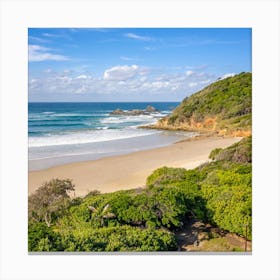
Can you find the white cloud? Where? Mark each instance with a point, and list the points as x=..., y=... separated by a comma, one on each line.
x=53, y=35
x=120, y=73
x=49, y=35
x=205, y=82
x=33, y=84
x=121, y=80
x=81, y=89
x=126, y=58
x=33, y=48
x=189, y=73
x=157, y=85
x=37, y=39
x=192, y=84
x=39, y=53
x=227, y=75
x=83, y=77
x=150, y=48
x=49, y=70
x=138, y=37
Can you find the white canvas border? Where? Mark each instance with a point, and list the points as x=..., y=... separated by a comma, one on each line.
x=17, y=16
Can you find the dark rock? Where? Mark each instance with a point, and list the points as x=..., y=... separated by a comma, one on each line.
x=117, y=112
x=135, y=112
x=151, y=109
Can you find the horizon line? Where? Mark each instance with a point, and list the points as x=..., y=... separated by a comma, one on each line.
x=102, y=101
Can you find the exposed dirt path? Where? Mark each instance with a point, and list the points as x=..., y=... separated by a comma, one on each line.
x=198, y=236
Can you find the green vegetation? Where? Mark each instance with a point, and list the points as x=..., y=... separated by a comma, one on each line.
x=49, y=201
x=218, y=193
x=240, y=152
x=228, y=198
x=146, y=219
x=105, y=239
x=228, y=101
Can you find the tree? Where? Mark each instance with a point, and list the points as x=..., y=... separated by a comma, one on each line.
x=102, y=213
x=50, y=200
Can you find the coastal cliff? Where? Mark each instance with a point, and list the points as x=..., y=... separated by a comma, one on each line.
x=224, y=107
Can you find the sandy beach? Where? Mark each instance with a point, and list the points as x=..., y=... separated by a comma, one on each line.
x=130, y=170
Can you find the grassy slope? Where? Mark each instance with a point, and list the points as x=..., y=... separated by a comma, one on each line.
x=223, y=106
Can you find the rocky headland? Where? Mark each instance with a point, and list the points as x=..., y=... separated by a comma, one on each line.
x=224, y=108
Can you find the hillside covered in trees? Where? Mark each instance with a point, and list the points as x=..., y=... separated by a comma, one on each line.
x=147, y=219
x=224, y=106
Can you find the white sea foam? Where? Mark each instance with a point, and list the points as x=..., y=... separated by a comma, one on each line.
x=122, y=127
x=130, y=119
x=88, y=136
x=47, y=113
x=74, y=115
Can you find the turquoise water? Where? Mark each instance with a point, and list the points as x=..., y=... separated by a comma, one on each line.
x=60, y=133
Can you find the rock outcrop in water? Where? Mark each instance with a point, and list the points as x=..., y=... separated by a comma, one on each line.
x=135, y=112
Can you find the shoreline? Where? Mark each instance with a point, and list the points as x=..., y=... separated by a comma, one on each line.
x=130, y=171
x=59, y=155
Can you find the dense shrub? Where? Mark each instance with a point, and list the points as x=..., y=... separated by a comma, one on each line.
x=124, y=238
x=43, y=238
x=166, y=175
x=240, y=152
x=187, y=181
x=151, y=209
x=228, y=196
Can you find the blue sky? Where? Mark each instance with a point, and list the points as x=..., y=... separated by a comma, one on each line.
x=132, y=64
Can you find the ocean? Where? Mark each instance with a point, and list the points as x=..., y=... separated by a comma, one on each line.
x=60, y=133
